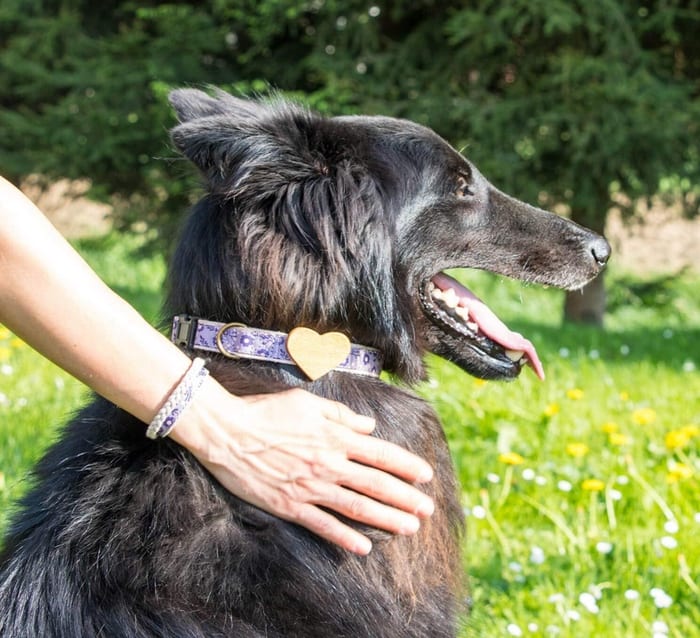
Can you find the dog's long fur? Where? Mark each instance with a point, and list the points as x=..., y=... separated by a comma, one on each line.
x=334, y=224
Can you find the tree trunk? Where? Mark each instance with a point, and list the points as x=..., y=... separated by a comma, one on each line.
x=588, y=304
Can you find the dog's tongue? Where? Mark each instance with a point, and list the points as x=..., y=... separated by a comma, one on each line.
x=489, y=323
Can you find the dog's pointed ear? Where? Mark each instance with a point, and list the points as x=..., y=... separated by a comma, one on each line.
x=192, y=104
x=216, y=130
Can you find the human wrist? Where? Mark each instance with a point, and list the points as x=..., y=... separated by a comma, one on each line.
x=178, y=400
x=205, y=426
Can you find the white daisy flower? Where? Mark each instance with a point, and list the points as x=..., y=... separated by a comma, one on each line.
x=589, y=602
x=564, y=486
x=671, y=526
x=668, y=542
x=478, y=512
x=537, y=556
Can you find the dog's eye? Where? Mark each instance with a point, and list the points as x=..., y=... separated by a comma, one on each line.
x=463, y=189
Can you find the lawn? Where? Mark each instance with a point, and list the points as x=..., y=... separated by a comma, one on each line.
x=581, y=492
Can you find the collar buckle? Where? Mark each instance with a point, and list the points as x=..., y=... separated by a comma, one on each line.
x=220, y=344
x=185, y=330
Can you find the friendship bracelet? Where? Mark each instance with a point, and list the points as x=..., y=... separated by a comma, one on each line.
x=178, y=400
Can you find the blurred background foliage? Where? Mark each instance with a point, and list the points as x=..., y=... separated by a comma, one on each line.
x=578, y=106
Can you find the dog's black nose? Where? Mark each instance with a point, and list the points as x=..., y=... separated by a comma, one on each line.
x=600, y=249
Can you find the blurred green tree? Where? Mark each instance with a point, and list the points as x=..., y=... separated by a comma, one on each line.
x=587, y=104
x=83, y=95
x=576, y=105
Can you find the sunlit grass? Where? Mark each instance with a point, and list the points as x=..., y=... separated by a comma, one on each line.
x=36, y=397
x=581, y=492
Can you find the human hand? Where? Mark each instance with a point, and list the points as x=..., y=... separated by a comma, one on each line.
x=292, y=453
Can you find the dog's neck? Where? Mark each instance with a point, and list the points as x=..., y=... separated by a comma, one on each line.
x=314, y=354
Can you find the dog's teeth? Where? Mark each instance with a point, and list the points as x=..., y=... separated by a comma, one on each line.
x=462, y=313
x=431, y=286
x=450, y=298
x=437, y=294
x=472, y=326
x=514, y=355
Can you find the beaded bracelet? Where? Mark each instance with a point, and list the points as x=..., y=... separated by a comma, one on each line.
x=179, y=399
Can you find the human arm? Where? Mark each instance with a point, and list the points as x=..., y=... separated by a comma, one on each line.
x=290, y=453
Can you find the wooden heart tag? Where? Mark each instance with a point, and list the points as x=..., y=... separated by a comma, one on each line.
x=317, y=354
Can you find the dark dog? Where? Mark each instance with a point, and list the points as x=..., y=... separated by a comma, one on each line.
x=337, y=224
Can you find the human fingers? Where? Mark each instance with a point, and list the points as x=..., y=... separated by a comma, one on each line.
x=330, y=528
x=389, y=457
x=303, y=513
x=340, y=413
x=385, y=488
x=376, y=452
x=300, y=404
x=363, y=509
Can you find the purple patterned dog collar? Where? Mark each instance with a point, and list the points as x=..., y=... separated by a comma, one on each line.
x=236, y=340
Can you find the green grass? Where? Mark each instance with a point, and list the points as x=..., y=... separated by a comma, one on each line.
x=35, y=395
x=620, y=406
x=537, y=538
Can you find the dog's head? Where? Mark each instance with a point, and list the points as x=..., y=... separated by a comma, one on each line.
x=347, y=224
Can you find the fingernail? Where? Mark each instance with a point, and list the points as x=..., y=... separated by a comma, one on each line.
x=363, y=547
x=367, y=422
x=425, y=476
x=426, y=508
x=410, y=527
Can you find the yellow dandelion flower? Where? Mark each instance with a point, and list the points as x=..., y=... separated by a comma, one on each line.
x=644, y=416
x=593, y=485
x=609, y=427
x=5, y=354
x=575, y=394
x=678, y=472
x=16, y=342
x=511, y=458
x=676, y=439
x=551, y=409
x=577, y=449
x=691, y=430
x=479, y=382
x=624, y=396
x=617, y=438
x=4, y=333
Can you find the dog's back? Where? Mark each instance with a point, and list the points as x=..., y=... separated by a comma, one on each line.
x=124, y=537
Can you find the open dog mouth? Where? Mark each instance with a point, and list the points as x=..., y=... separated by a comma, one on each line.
x=456, y=309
